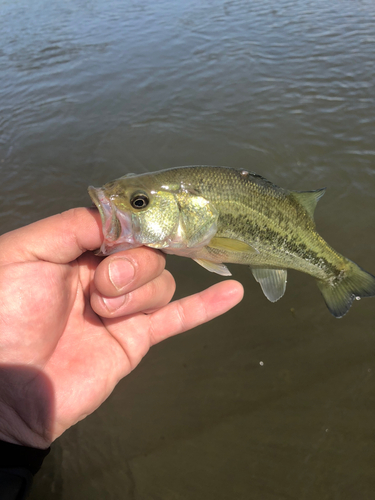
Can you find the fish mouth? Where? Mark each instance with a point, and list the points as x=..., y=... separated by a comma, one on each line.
x=116, y=225
x=110, y=224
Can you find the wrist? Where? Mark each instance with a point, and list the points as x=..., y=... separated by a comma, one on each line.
x=15, y=458
x=26, y=406
x=15, y=430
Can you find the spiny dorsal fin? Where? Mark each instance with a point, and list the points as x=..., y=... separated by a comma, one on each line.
x=272, y=281
x=228, y=244
x=309, y=199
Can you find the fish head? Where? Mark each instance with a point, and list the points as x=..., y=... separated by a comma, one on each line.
x=140, y=210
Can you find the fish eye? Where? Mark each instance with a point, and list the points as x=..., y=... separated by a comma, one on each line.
x=139, y=200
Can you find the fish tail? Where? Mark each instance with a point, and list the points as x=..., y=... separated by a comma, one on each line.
x=354, y=283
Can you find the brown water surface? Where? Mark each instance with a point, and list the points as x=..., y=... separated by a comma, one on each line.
x=271, y=401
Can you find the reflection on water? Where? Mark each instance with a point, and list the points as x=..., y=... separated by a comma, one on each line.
x=273, y=400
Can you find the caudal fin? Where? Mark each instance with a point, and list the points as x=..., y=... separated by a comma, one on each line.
x=339, y=296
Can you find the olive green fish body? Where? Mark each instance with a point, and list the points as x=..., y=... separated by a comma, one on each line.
x=219, y=215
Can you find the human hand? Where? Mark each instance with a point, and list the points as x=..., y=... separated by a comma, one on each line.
x=68, y=334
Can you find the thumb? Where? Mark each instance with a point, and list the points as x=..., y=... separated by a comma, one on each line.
x=59, y=239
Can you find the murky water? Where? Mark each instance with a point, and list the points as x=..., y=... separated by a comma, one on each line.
x=271, y=401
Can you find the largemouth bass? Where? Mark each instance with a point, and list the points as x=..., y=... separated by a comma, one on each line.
x=219, y=215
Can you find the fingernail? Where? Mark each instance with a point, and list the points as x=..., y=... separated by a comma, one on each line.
x=113, y=303
x=121, y=272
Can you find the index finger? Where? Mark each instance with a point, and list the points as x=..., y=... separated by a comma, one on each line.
x=59, y=239
x=138, y=332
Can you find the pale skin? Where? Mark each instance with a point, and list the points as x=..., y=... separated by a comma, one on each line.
x=73, y=324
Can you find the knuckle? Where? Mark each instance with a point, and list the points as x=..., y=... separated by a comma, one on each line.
x=181, y=316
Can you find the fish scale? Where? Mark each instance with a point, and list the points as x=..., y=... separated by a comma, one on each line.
x=220, y=215
x=256, y=211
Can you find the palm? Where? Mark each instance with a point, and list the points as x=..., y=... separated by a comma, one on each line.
x=61, y=351
x=82, y=358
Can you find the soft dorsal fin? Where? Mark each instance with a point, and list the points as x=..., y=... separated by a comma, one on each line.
x=231, y=245
x=309, y=199
x=272, y=281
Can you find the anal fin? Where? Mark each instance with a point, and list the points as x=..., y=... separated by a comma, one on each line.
x=214, y=267
x=272, y=281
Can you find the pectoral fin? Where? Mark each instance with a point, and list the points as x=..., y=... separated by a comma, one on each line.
x=214, y=267
x=231, y=245
x=272, y=281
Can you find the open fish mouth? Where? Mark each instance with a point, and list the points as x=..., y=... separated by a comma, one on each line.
x=110, y=223
x=116, y=225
